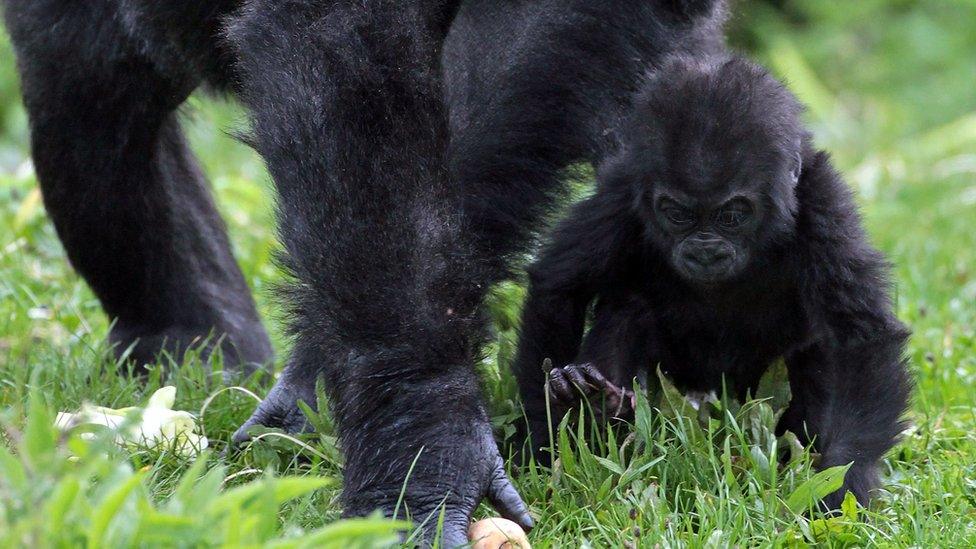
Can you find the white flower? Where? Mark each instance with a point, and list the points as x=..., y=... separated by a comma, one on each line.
x=147, y=427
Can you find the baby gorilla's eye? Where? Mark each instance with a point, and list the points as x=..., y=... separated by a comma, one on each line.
x=679, y=216
x=731, y=218
x=734, y=214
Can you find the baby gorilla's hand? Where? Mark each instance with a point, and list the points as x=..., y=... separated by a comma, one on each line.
x=570, y=384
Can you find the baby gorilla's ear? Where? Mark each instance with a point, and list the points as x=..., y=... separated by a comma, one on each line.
x=690, y=8
x=797, y=167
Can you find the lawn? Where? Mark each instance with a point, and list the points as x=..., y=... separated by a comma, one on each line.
x=891, y=89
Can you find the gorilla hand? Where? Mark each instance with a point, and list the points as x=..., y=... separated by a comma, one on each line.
x=450, y=477
x=414, y=449
x=280, y=409
x=569, y=384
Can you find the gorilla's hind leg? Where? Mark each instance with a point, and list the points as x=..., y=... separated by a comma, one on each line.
x=126, y=196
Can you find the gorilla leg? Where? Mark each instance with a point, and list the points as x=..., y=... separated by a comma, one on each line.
x=125, y=195
x=347, y=112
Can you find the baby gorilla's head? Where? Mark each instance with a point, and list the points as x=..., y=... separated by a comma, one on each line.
x=712, y=154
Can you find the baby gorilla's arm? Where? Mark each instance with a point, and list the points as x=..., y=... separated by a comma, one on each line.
x=586, y=246
x=852, y=385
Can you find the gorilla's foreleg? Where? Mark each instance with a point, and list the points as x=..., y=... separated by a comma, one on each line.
x=347, y=112
x=847, y=400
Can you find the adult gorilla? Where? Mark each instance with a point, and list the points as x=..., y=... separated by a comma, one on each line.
x=414, y=145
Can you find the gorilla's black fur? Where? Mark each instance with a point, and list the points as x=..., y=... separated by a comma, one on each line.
x=718, y=241
x=414, y=146
x=126, y=195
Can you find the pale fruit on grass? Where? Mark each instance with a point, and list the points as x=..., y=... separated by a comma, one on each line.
x=497, y=533
x=156, y=424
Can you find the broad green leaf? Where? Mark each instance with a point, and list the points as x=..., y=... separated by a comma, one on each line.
x=604, y=490
x=775, y=386
x=817, y=487
x=586, y=459
x=631, y=473
x=283, y=489
x=314, y=418
x=108, y=509
x=610, y=465
x=791, y=442
x=643, y=417
x=379, y=532
x=729, y=474
x=849, y=507
x=566, y=454
x=834, y=531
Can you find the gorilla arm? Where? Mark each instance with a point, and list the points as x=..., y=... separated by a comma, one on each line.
x=592, y=241
x=852, y=384
x=347, y=112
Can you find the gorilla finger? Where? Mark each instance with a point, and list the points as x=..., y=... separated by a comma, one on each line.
x=579, y=379
x=506, y=500
x=591, y=373
x=453, y=536
x=597, y=379
x=559, y=388
x=279, y=410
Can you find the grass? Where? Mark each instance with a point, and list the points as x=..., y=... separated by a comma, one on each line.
x=891, y=94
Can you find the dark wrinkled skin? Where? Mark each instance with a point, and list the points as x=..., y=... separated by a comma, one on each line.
x=415, y=147
x=717, y=242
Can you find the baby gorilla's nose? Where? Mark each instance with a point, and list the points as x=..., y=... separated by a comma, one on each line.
x=707, y=259
x=710, y=255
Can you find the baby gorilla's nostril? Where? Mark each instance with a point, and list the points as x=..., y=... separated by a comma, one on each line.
x=719, y=255
x=707, y=257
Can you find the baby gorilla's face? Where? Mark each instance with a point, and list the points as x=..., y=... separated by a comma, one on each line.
x=716, y=171
x=709, y=238
x=712, y=217
x=714, y=213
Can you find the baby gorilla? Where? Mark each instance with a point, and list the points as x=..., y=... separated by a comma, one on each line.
x=717, y=242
